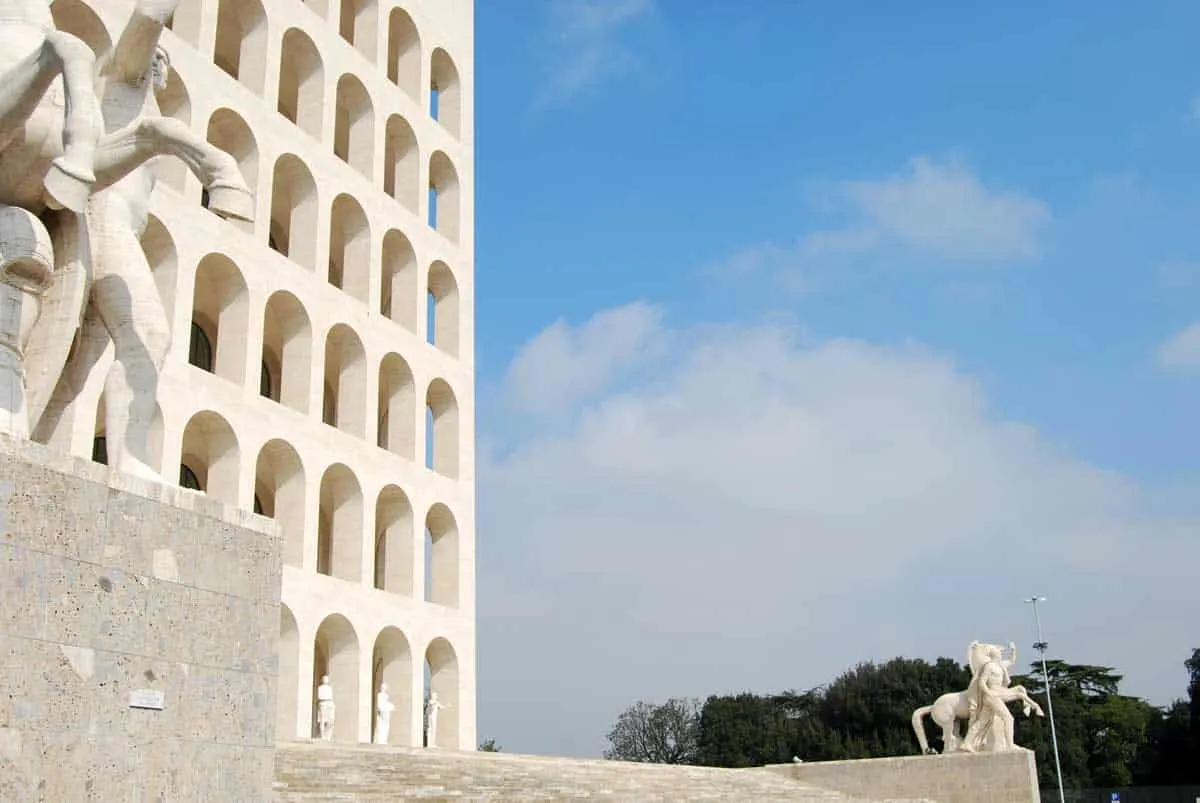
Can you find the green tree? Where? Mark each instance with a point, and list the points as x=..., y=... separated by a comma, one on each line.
x=489, y=746
x=657, y=734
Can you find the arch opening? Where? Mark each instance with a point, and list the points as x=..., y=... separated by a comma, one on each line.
x=229, y=132
x=445, y=90
x=392, y=663
x=441, y=677
x=345, y=381
x=293, y=229
x=287, y=694
x=340, y=525
x=397, y=407
x=349, y=248
x=354, y=126
x=441, y=429
x=301, y=83
x=402, y=163
x=359, y=26
x=287, y=351
x=398, y=299
x=395, y=566
x=444, y=322
x=210, y=455
x=335, y=654
x=444, y=199
x=404, y=53
x=219, y=318
x=279, y=488
x=241, y=45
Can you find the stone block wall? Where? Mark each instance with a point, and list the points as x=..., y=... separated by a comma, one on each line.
x=954, y=778
x=113, y=590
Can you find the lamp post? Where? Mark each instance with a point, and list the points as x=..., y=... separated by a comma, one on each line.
x=1041, y=646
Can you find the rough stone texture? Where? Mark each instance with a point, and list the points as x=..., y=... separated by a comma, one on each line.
x=110, y=585
x=1009, y=777
x=307, y=773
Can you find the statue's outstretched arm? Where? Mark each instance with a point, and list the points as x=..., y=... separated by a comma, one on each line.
x=131, y=56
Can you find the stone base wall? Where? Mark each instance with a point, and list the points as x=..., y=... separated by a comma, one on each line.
x=115, y=593
x=955, y=778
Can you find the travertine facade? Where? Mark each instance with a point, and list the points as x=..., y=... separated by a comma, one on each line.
x=137, y=637
x=321, y=365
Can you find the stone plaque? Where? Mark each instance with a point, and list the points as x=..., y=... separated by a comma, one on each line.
x=148, y=698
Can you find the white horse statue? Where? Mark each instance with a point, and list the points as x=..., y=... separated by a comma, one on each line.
x=951, y=707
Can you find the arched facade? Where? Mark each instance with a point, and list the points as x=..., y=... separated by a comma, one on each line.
x=341, y=115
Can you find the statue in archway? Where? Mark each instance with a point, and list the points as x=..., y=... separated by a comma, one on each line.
x=326, y=710
x=102, y=283
x=432, y=706
x=383, y=714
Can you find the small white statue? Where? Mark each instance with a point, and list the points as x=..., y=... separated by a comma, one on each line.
x=383, y=714
x=432, y=706
x=325, y=709
x=984, y=705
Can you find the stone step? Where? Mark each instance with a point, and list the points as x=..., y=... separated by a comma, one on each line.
x=323, y=773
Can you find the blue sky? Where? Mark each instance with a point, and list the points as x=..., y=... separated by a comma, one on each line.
x=809, y=333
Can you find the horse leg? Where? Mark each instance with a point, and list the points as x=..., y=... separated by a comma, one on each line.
x=126, y=149
x=69, y=180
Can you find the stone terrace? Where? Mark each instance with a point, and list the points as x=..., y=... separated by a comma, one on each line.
x=308, y=773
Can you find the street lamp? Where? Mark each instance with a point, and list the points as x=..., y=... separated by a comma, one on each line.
x=1040, y=645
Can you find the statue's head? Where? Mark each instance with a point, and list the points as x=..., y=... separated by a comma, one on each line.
x=325, y=679
x=160, y=68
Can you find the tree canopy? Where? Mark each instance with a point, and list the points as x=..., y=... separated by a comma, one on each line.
x=1105, y=738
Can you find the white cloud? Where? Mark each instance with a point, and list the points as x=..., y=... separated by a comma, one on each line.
x=761, y=512
x=932, y=212
x=562, y=365
x=587, y=46
x=1181, y=350
x=946, y=211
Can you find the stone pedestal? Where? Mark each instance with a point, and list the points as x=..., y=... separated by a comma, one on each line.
x=139, y=627
x=1009, y=777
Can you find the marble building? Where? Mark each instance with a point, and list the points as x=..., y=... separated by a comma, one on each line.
x=321, y=366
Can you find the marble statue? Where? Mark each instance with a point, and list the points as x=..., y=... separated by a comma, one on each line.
x=49, y=116
x=326, y=710
x=102, y=283
x=432, y=706
x=383, y=714
x=984, y=705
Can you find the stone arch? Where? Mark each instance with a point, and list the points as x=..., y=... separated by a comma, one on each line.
x=220, y=307
x=398, y=299
x=335, y=653
x=77, y=18
x=444, y=196
x=294, y=211
x=229, y=132
x=211, y=453
x=340, y=525
x=349, y=248
x=279, y=490
x=441, y=664
x=441, y=557
x=443, y=308
x=391, y=663
x=240, y=49
x=397, y=408
x=404, y=53
x=287, y=351
x=395, y=542
x=301, y=83
x=441, y=429
x=354, y=125
x=445, y=91
x=401, y=163
x=359, y=25
x=287, y=694
x=345, y=381
x=174, y=101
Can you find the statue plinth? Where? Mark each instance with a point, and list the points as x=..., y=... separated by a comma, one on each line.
x=140, y=632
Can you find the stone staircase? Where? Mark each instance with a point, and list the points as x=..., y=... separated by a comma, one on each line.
x=320, y=773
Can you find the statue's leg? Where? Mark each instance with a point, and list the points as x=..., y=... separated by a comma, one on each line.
x=127, y=300
x=128, y=148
